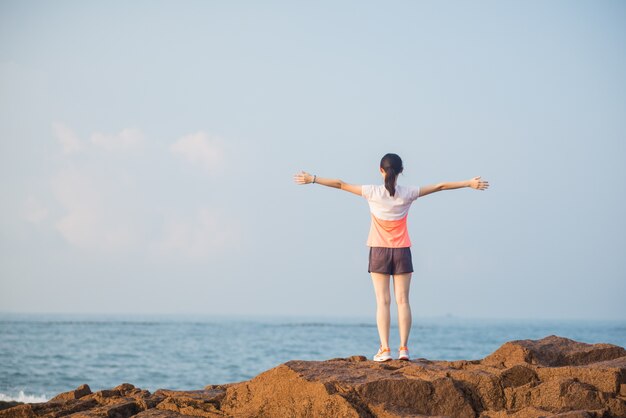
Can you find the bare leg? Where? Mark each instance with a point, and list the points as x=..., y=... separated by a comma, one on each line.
x=381, y=288
x=401, y=284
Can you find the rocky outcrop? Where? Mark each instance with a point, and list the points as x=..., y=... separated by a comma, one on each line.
x=553, y=376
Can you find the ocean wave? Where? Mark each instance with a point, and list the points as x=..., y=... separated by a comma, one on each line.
x=23, y=397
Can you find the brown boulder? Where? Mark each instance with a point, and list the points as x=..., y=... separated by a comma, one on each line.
x=19, y=411
x=552, y=351
x=550, y=377
x=50, y=409
x=79, y=392
x=284, y=391
x=9, y=404
x=159, y=413
x=199, y=403
x=123, y=409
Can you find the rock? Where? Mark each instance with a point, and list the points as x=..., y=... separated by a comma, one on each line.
x=77, y=393
x=51, y=408
x=203, y=403
x=9, y=404
x=159, y=413
x=553, y=351
x=19, y=411
x=553, y=376
x=518, y=375
x=114, y=410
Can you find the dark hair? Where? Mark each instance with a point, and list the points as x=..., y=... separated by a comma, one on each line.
x=392, y=164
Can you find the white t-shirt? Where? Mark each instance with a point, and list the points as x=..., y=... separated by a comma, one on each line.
x=389, y=214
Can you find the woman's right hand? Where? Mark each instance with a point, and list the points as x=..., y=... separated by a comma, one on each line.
x=303, y=178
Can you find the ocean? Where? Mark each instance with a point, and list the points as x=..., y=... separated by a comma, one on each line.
x=42, y=355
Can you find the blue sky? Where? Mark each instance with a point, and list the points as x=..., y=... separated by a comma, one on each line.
x=147, y=153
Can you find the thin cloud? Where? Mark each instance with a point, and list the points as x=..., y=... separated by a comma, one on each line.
x=100, y=212
x=125, y=140
x=204, y=235
x=200, y=149
x=67, y=138
x=87, y=224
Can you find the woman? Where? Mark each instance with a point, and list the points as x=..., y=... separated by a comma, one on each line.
x=390, y=246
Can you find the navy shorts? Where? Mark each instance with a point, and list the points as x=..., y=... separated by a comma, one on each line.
x=390, y=260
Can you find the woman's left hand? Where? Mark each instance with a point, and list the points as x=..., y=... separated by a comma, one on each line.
x=478, y=184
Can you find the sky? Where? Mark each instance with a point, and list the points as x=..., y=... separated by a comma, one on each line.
x=147, y=151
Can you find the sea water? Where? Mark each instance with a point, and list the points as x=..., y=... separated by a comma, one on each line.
x=42, y=355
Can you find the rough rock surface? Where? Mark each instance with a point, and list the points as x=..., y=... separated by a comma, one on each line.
x=550, y=377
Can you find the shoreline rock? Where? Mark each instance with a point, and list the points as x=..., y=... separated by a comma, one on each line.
x=552, y=376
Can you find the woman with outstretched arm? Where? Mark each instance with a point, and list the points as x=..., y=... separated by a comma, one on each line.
x=388, y=239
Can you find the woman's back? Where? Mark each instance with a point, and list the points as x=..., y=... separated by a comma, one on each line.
x=389, y=214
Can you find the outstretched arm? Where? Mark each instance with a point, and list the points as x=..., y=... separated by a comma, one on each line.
x=306, y=178
x=475, y=183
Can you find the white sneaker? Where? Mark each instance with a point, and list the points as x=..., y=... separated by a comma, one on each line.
x=384, y=354
x=403, y=353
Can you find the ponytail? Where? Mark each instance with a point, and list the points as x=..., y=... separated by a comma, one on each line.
x=390, y=180
x=392, y=164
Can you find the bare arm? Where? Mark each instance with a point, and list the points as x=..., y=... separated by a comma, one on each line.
x=306, y=178
x=475, y=183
